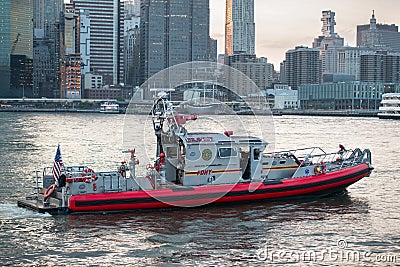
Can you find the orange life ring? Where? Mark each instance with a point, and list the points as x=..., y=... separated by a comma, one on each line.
x=88, y=170
x=320, y=168
x=49, y=191
x=90, y=178
x=149, y=167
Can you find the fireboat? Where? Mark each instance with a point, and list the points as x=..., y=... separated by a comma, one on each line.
x=195, y=169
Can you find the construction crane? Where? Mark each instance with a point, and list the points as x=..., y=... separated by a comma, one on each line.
x=14, y=44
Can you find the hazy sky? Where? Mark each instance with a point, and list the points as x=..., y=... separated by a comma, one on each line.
x=283, y=24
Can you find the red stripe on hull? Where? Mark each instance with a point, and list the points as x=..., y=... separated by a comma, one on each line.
x=200, y=195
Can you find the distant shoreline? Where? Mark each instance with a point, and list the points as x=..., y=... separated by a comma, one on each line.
x=49, y=110
x=317, y=113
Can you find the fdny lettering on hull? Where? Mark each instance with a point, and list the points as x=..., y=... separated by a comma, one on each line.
x=204, y=172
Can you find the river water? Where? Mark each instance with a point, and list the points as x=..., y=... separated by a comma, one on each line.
x=361, y=227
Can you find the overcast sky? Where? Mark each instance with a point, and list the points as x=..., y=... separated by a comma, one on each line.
x=283, y=24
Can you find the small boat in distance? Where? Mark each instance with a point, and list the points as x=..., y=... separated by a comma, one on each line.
x=109, y=108
x=194, y=169
x=390, y=106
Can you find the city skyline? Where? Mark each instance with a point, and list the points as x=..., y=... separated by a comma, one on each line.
x=277, y=23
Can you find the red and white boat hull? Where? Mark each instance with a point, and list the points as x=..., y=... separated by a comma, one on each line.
x=310, y=186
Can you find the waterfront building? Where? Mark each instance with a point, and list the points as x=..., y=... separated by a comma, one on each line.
x=115, y=92
x=132, y=51
x=344, y=96
x=92, y=86
x=16, y=48
x=106, y=92
x=302, y=66
x=106, y=37
x=239, y=27
x=282, y=97
x=172, y=32
x=385, y=36
x=92, y=82
x=380, y=66
x=71, y=76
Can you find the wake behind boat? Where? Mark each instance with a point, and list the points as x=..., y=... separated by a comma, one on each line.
x=194, y=169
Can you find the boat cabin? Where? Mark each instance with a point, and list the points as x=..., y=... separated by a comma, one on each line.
x=212, y=158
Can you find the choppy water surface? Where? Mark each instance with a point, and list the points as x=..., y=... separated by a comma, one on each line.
x=361, y=227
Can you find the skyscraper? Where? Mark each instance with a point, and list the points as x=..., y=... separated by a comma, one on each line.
x=239, y=27
x=16, y=48
x=328, y=43
x=172, y=32
x=71, y=56
x=106, y=37
x=374, y=34
x=257, y=69
x=380, y=67
x=349, y=59
x=302, y=66
x=328, y=22
x=47, y=13
x=132, y=51
x=46, y=58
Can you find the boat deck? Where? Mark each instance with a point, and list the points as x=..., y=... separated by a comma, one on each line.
x=36, y=203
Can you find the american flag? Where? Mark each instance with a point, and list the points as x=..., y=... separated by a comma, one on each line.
x=56, y=170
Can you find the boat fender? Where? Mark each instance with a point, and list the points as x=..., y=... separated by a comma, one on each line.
x=49, y=191
x=94, y=187
x=320, y=168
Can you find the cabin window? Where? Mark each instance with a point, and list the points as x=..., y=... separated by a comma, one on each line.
x=172, y=152
x=227, y=152
x=256, y=153
x=282, y=162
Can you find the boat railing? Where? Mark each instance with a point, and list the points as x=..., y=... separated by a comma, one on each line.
x=38, y=181
x=298, y=153
x=327, y=157
x=315, y=155
x=339, y=160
